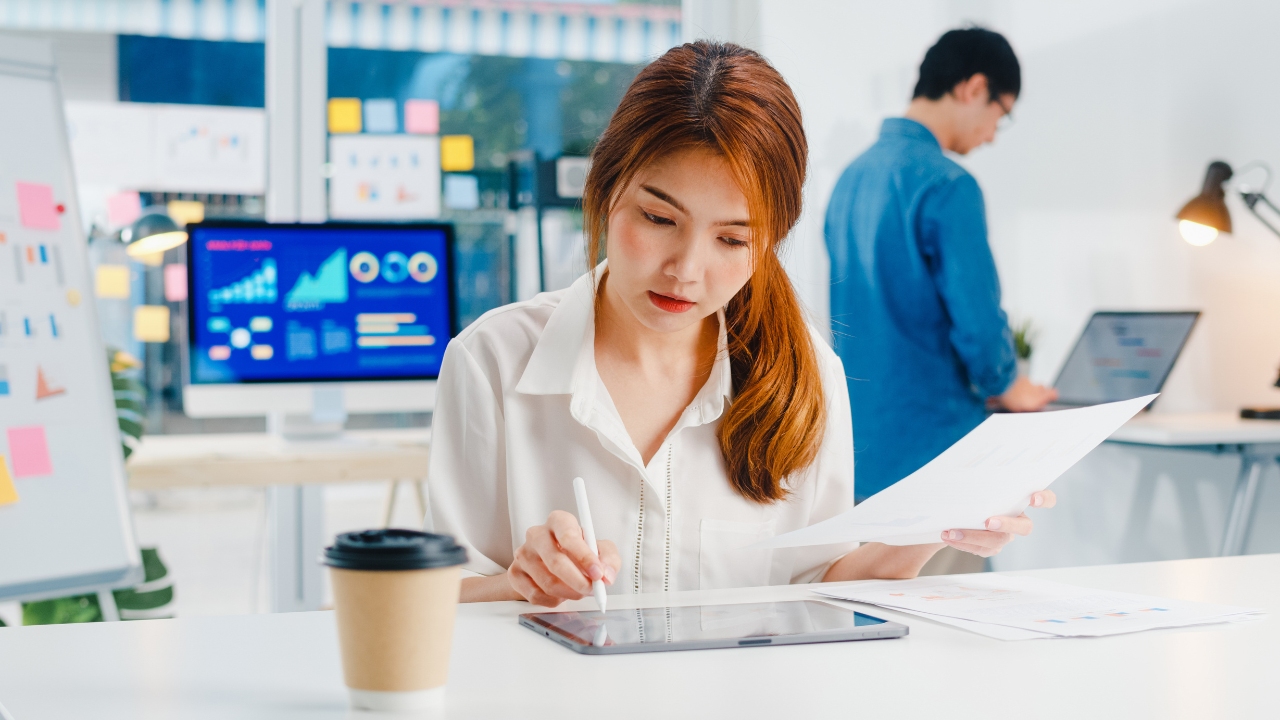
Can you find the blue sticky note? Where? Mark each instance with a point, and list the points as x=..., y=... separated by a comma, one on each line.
x=380, y=116
x=461, y=192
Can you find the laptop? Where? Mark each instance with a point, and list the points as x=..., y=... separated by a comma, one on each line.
x=1122, y=355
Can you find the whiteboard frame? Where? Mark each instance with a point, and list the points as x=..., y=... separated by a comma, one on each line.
x=33, y=60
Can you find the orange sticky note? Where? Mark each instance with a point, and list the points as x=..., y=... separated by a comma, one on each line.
x=46, y=386
x=457, y=153
x=345, y=115
x=151, y=323
x=8, y=493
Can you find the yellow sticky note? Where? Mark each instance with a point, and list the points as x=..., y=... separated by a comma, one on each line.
x=457, y=153
x=112, y=281
x=8, y=493
x=151, y=323
x=344, y=115
x=185, y=212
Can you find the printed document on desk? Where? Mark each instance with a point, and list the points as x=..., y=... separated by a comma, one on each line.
x=1035, y=605
x=991, y=471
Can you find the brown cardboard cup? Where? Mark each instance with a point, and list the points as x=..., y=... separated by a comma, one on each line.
x=395, y=596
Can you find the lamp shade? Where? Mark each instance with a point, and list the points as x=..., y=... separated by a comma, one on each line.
x=1209, y=208
x=151, y=235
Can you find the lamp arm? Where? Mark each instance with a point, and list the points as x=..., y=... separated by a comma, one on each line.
x=1251, y=200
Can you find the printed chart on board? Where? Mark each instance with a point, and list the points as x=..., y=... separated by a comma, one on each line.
x=61, y=467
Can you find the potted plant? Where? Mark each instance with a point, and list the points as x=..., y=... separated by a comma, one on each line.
x=1024, y=335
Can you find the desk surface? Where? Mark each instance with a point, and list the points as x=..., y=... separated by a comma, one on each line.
x=260, y=459
x=1184, y=429
x=286, y=666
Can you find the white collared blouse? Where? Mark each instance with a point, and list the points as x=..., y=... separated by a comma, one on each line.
x=521, y=411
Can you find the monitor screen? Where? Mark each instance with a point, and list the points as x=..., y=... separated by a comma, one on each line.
x=1123, y=355
x=304, y=303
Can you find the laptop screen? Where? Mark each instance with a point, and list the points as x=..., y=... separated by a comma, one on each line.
x=1123, y=355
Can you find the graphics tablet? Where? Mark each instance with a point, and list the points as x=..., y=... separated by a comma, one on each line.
x=703, y=627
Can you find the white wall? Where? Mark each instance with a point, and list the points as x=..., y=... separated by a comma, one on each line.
x=1124, y=104
x=87, y=63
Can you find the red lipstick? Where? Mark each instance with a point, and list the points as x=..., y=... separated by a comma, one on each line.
x=670, y=304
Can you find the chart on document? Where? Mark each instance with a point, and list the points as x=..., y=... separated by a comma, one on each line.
x=300, y=303
x=1036, y=605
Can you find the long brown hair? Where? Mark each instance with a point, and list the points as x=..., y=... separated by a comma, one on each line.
x=730, y=100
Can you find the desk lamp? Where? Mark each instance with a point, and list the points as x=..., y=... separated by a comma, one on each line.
x=1205, y=215
x=150, y=235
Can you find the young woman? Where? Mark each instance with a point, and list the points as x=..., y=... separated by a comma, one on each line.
x=679, y=378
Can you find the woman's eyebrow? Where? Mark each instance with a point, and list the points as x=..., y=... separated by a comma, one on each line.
x=664, y=197
x=676, y=204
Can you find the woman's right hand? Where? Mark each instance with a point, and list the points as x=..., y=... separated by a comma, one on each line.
x=556, y=564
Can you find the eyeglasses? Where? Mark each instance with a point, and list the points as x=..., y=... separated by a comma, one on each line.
x=1006, y=120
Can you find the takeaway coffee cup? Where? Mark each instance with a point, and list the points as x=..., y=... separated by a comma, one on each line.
x=395, y=595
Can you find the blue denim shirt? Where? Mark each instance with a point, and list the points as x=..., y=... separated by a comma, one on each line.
x=915, y=303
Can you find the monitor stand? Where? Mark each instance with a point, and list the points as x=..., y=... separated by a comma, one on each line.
x=302, y=427
x=325, y=421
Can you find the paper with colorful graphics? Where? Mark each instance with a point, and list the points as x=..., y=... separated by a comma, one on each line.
x=1036, y=605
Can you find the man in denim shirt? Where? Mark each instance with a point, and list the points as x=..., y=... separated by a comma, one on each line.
x=915, y=299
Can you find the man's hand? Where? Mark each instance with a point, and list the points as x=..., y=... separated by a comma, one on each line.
x=1025, y=396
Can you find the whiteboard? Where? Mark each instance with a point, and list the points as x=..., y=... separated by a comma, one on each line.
x=175, y=148
x=64, y=522
x=384, y=177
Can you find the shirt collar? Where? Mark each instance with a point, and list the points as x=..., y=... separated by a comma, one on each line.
x=563, y=361
x=908, y=128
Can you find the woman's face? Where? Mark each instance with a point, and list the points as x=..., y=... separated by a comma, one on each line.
x=679, y=242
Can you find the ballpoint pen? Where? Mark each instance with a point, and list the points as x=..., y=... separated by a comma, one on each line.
x=589, y=532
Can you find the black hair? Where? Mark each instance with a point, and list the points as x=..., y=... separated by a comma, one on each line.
x=960, y=54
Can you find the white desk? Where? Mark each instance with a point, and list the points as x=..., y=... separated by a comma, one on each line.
x=1256, y=441
x=293, y=472
x=286, y=665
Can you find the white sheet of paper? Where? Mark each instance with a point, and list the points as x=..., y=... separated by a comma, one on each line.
x=1037, y=605
x=997, y=632
x=991, y=471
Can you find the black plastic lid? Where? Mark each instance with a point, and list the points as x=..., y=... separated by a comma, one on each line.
x=393, y=549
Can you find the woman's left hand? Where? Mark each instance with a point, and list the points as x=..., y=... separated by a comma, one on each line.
x=1000, y=530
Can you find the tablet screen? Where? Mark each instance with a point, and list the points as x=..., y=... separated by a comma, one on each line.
x=702, y=622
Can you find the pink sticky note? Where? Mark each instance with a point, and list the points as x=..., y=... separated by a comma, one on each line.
x=175, y=282
x=422, y=117
x=123, y=208
x=29, y=451
x=36, y=206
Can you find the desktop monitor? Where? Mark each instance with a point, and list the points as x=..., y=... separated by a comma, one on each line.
x=277, y=311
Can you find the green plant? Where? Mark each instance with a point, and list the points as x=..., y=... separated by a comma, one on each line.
x=130, y=396
x=1024, y=337
x=151, y=600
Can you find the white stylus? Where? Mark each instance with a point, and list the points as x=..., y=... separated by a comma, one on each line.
x=589, y=532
